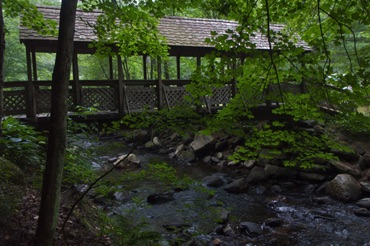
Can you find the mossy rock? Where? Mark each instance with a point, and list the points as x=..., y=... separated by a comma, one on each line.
x=12, y=181
x=11, y=173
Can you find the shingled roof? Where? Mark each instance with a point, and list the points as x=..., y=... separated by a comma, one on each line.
x=178, y=31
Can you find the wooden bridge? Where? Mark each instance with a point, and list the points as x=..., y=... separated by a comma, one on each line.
x=185, y=38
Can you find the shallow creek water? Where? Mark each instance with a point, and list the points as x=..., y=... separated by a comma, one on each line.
x=304, y=221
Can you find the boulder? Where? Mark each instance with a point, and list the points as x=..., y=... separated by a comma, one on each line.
x=273, y=222
x=313, y=177
x=157, y=142
x=364, y=202
x=130, y=161
x=202, y=143
x=256, y=175
x=237, y=186
x=344, y=187
x=362, y=212
x=350, y=156
x=213, y=181
x=186, y=156
x=280, y=172
x=365, y=186
x=343, y=167
x=160, y=198
x=251, y=228
x=366, y=158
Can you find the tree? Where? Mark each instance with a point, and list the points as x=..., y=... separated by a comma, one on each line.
x=2, y=50
x=49, y=207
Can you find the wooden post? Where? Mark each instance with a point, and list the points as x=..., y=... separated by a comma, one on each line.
x=199, y=62
x=34, y=66
x=76, y=87
x=121, y=85
x=159, y=84
x=178, y=67
x=145, y=67
x=31, y=97
x=111, y=75
x=233, y=83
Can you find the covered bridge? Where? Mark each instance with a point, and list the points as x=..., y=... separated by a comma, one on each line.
x=118, y=95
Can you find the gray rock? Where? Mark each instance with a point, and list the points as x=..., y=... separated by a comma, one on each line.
x=221, y=145
x=160, y=198
x=251, y=228
x=186, y=156
x=215, y=159
x=362, y=212
x=365, y=185
x=276, y=189
x=213, y=181
x=364, y=202
x=122, y=196
x=343, y=167
x=179, y=148
x=313, y=177
x=256, y=175
x=219, y=155
x=344, y=187
x=249, y=164
x=273, y=222
x=207, y=159
x=228, y=231
x=157, y=142
x=201, y=142
x=130, y=161
x=224, y=216
x=351, y=156
x=280, y=172
x=237, y=186
x=149, y=145
x=366, y=158
x=260, y=190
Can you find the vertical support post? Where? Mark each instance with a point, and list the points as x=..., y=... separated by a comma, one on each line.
x=199, y=61
x=34, y=66
x=178, y=67
x=303, y=82
x=159, y=84
x=30, y=88
x=233, y=83
x=110, y=60
x=121, y=85
x=76, y=86
x=145, y=67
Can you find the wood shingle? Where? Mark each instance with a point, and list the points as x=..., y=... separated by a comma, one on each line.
x=178, y=31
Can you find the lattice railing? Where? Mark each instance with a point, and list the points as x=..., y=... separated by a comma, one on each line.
x=176, y=96
x=100, y=98
x=43, y=100
x=220, y=97
x=140, y=98
x=15, y=102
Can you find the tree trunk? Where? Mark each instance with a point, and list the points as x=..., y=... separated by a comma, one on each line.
x=2, y=50
x=50, y=199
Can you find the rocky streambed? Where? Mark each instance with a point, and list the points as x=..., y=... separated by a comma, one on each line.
x=251, y=203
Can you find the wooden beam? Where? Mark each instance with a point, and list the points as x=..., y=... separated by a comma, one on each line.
x=145, y=67
x=121, y=87
x=233, y=84
x=111, y=75
x=76, y=86
x=34, y=66
x=159, y=84
x=31, y=97
x=178, y=67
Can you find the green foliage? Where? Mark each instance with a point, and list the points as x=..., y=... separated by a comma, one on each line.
x=127, y=231
x=77, y=167
x=301, y=148
x=353, y=122
x=180, y=119
x=21, y=144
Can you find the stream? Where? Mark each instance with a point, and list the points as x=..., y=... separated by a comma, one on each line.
x=290, y=217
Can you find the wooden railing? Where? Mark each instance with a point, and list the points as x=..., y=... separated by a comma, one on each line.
x=32, y=99
x=113, y=96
